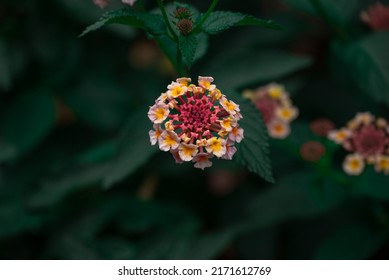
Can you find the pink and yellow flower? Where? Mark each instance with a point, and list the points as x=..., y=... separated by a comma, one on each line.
x=339, y=136
x=377, y=16
x=236, y=134
x=195, y=123
x=367, y=138
x=158, y=112
x=202, y=160
x=155, y=134
x=216, y=146
x=230, y=151
x=168, y=141
x=276, y=91
x=230, y=106
x=276, y=108
x=206, y=83
x=382, y=164
x=176, y=89
x=286, y=114
x=353, y=164
x=278, y=129
x=187, y=151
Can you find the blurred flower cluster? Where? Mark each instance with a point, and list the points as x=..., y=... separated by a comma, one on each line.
x=103, y=3
x=195, y=123
x=367, y=139
x=377, y=17
x=312, y=151
x=276, y=107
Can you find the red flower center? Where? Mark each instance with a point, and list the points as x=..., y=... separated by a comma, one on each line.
x=197, y=116
x=369, y=141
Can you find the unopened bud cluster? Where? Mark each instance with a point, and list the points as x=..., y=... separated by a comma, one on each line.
x=185, y=22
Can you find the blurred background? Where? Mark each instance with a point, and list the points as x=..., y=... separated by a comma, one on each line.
x=79, y=179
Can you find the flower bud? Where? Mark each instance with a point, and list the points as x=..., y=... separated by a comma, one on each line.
x=182, y=13
x=185, y=26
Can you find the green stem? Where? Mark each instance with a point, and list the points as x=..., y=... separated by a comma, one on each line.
x=338, y=30
x=204, y=18
x=164, y=14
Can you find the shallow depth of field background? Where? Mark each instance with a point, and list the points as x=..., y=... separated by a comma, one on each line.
x=73, y=186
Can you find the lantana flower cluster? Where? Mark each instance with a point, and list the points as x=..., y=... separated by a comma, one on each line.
x=376, y=16
x=195, y=122
x=276, y=107
x=103, y=3
x=367, y=139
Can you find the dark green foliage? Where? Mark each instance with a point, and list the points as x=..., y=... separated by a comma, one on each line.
x=188, y=45
x=355, y=241
x=300, y=196
x=252, y=67
x=25, y=130
x=79, y=178
x=220, y=21
x=368, y=61
x=150, y=22
x=373, y=185
x=253, y=152
x=134, y=149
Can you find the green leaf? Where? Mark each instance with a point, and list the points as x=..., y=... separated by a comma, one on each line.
x=5, y=67
x=70, y=247
x=53, y=190
x=116, y=248
x=298, y=196
x=253, y=151
x=98, y=101
x=372, y=184
x=253, y=21
x=339, y=12
x=242, y=68
x=303, y=5
x=98, y=153
x=83, y=11
x=169, y=47
x=203, y=247
x=367, y=60
x=7, y=151
x=135, y=149
x=15, y=219
x=137, y=216
x=352, y=242
x=202, y=45
x=188, y=46
x=209, y=246
x=220, y=21
x=152, y=23
x=13, y=59
x=28, y=120
x=95, y=217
